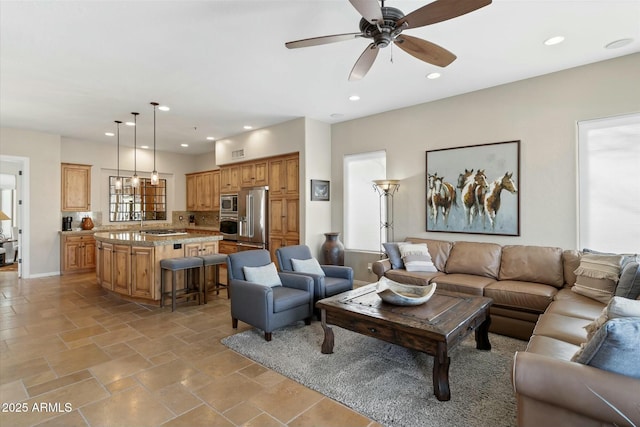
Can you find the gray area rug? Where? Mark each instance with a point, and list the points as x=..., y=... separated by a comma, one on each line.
x=388, y=383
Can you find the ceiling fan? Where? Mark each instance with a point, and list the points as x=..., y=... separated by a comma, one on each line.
x=385, y=25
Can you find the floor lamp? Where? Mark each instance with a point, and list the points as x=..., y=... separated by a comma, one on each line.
x=386, y=188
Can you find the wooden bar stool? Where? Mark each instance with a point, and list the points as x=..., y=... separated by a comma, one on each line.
x=214, y=260
x=192, y=286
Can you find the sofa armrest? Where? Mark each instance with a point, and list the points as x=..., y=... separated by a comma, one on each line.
x=583, y=390
x=380, y=267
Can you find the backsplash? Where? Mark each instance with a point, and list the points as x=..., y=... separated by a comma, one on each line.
x=76, y=221
x=203, y=219
x=206, y=219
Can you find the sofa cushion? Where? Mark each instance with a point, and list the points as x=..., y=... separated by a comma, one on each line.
x=416, y=257
x=419, y=278
x=552, y=347
x=287, y=298
x=571, y=261
x=617, y=307
x=614, y=347
x=521, y=295
x=308, y=266
x=563, y=328
x=597, y=276
x=629, y=283
x=580, y=307
x=480, y=259
x=439, y=250
x=393, y=253
x=466, y=283
x=537, y=264
x=263, y=275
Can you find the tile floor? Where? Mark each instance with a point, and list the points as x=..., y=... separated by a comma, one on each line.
x=72, y=355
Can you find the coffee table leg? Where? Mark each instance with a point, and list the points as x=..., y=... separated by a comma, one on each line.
x=482, y=335
x=327, y=344
x=441, y=373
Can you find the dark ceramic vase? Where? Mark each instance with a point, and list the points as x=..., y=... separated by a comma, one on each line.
x=333, y=249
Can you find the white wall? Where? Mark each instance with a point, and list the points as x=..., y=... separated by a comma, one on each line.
x=315, y=218
x=40, y=227
x=542, y=112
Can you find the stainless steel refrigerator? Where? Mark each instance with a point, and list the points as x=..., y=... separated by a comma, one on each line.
x=252, y=218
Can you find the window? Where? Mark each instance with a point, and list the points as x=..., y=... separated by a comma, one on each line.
x=609, y=198
x=361, y=202
x=148, y=202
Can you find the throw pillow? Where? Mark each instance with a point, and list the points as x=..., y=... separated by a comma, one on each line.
x=309, y=266
x=266, y=275
x=597, y=276
x=629, y=283
x=416, y=257
x=617, y=307
x=393, y=253
x=614, y=348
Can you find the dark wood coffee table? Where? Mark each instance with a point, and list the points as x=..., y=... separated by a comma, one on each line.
x=434, y=327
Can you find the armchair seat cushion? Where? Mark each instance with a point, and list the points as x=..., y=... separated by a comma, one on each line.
x=336, y=285
x=286, y=298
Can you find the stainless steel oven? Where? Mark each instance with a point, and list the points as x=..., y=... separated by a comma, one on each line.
x=229, y=227
x=229, y=205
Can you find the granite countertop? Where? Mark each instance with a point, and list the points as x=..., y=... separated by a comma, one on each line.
x=135, y=229
x=141, y=239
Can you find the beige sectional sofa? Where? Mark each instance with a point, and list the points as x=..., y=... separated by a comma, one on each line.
x=532, y=300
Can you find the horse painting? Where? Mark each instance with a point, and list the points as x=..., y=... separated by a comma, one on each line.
x=430, y=185
x=472, y=194
x=443, y=196
x=492, y=198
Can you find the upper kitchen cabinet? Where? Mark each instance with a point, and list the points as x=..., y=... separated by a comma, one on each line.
x=230, y=179
x=203, y=192
x=254, y=174
x=76, y=187
x=284, y=176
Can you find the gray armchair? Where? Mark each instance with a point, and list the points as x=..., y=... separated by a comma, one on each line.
x=265, y=307
x=337, y=278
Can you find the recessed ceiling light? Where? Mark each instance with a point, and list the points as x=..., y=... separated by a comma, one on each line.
x=184, y=145
x=554, y=40
x=354, y=98
x=432, y=76
x=110, y=134
x=129, y=123
x=247, y=127
x=211, y=138
x=618, y=43
x=144, y=146
x=163, y=108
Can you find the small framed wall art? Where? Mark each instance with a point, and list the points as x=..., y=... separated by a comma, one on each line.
x=319, y=190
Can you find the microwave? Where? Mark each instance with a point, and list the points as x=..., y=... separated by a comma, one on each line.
x=229, y=204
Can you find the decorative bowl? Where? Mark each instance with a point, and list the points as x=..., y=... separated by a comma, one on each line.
x=402, y=294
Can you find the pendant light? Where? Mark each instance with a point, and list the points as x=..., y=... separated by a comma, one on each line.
x=118, y=183
x=154, y=175
x=135, y=180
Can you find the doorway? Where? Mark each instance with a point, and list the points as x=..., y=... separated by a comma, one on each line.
x=14, y=188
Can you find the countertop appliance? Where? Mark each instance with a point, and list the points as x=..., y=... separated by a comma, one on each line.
x=66, y=223
x=252, y=218
x=229, y=204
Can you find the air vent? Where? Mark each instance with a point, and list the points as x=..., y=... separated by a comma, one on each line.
x=237, y=154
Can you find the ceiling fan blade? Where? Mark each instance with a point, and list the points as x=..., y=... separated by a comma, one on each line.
x=369, y=9
x=315, y=41
x=425, y=51
x=364, y=63
x=440, y=10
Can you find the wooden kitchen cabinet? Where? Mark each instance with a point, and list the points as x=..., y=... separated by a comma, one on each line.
x=104, y=267
x=78, y=254
x=215, y=190
x=284, y=223
x=229, y=179
x=196, y=249
x=284, y=176
x=142, y=272
x=254, y=174
x=121, y=262
x=202, y=191
x=76, y=187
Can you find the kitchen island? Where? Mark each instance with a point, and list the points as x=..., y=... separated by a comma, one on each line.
x=128, y=262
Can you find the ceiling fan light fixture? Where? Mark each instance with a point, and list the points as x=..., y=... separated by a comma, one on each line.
x=552, y=41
